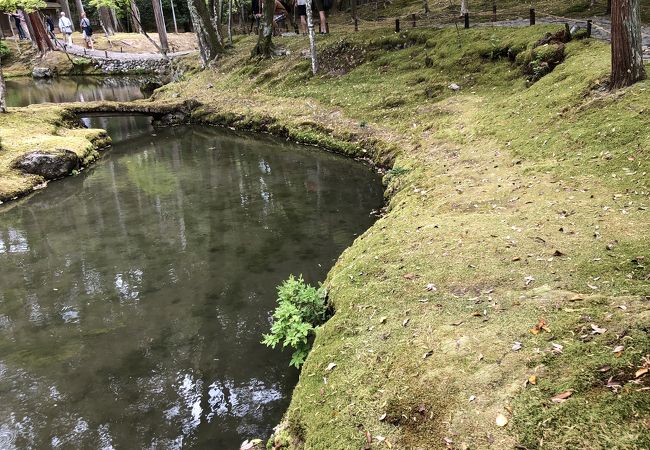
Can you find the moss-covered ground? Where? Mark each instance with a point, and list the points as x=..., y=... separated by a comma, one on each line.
x=40, y=128
x=510, y=206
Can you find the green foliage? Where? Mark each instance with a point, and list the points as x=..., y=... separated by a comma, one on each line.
x=27, y=5
x=4, y=50
x=301, y=307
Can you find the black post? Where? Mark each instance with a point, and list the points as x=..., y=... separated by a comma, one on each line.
x=494, y=11
x=466, y=20
x=589, y=28
x=356, y=24
x=84, y=51
x=396, y=25
x=327, y=27
x=105, y=53
x=532, y=16
x=413, y=17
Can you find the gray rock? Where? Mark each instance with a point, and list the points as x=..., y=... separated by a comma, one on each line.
x=48, y=165
x=454, y=87
x=170, y=119
x=42, y=72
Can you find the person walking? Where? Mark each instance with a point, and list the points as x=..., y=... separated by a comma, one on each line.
x=301, y=11
x=87, y=31
x=65, y=25
x=49, y=23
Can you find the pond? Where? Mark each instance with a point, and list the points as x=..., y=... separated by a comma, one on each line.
x=133, y=296
x=28, y=91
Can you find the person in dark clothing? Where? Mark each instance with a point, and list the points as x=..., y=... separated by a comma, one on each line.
x=49, y=24
x=19, y=26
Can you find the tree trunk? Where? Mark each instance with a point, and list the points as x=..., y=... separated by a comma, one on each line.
x=80, y=9
x=65, y=7
x=160, y=25
x=174, y=17
x=209, y=44
x=105, y=20
x=353, y=7
x=463, y=7
x=264, y=46
x=39, y=34
x=135, y=17
x=117, y=26
x=312, y=38
x=3, y=92
x=230, y=22
x=30, y=28
x=609, y=7
x=627, y=56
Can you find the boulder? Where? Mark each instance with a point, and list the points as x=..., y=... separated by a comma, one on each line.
x=42, y=72
x=50, y=166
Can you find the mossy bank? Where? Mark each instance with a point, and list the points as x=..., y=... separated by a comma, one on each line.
x=511, y=204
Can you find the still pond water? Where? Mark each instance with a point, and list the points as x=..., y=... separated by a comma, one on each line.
x=133, y=296
x=28, y=91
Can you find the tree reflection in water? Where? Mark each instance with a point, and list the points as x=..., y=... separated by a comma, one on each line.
x=133, y=296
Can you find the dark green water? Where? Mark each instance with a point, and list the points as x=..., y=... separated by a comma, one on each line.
x=27, y=91
x=133, y=296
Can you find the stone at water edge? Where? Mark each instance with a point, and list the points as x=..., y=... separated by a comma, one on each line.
x=48, y=165
x=42, y=72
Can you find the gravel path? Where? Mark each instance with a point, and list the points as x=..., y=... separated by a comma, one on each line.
x=78, y=50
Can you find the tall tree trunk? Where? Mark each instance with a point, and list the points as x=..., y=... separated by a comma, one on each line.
x=39, y=34
x=160, y=25
x=174, y=17
x=209, y=44
x=312, y=37
x=106, y=21
x=65, y=7
x=30, y=28
x=135, y=17
x=117, y=26
x=80, y=9
x=264, y=46
x=463, y=7
x=353, y=7
x=3, y=92
x=230, y=22
x=627, y=58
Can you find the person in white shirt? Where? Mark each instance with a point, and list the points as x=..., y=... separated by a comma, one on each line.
x=301, y=10
x=65, y=25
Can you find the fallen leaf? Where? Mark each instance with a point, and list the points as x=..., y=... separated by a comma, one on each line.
x=472, y=398
x=642, y=371
x=382, y=417
x=431, y=287
x=557, y=348
x=597, y=330
x=618, y=350
x=477, y=314
x=532, y=379
x=405, y=322
x=427, y=354
x=379, y=438
x=623, y=307
x=613, y=385
x=410, y=276
x=501, y=420
x=517, y=346
x=539, y=326
x=559, y=398
x=455, y=324
x=529, y=279
x=330, y=367
x=604, y=369
x=383, y=319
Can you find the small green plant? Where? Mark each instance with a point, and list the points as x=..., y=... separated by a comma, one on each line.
x=4, y=50
x=300, y=309
x=397, y=171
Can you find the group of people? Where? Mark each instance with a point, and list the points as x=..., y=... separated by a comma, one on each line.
x=281, y=12
x=65, y=26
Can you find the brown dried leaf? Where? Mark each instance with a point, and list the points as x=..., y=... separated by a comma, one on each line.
x=532, y=379
x=410, y=276
x=618, y=350
x=559, y=398
x=597, y=330
x=540, y=326
x=642, y=371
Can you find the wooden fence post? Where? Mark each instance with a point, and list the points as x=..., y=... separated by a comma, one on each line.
x=532, y=16
x=356, y=24
x=396, y=25
x=466, y=20
x=413, y=17
x=589, y=28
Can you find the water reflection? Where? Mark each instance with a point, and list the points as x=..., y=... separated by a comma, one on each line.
x=28, y=91
x=133, y=296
